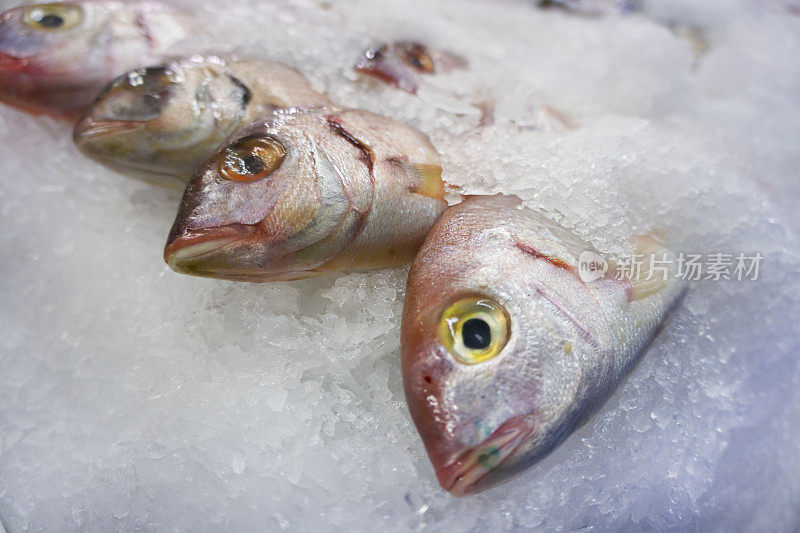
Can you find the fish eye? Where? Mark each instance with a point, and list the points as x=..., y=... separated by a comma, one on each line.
x=251, y=159
x=53, y=17
x=140, y=95
x=474, y=329
x=418, y=57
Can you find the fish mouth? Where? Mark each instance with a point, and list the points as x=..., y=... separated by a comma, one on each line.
x=463, y=473
x=391, y=71
x=88, y=128
x=9, y=63
x=214, y=253
x=187, y=252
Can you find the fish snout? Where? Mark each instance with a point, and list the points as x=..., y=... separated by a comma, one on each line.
x=466, y=471
x=19, y=50
x=387, y=68
x=195, y=251
x=90, y=128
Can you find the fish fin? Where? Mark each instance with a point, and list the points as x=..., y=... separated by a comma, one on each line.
x=429, y=180
x=656, y=272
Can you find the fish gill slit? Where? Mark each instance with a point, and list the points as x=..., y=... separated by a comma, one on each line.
x=555, y=261
x=558, y=263
x=348, y=194
x=366, y=152
x=247, y=94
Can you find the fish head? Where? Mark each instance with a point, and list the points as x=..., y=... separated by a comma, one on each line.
x=253, y=210
x=55, y=57
x=49, y=39
x=402, y=63
x=489, y=369
x=164, y=119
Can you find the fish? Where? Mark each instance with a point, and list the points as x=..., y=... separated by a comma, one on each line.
x=594, y=8
x=55, y=57
x=309, y=191
x=160, y=123
x=514, y=332
x=403, y=64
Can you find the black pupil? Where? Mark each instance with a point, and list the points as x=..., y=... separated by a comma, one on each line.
x=51, y=21
x=252, y=164
x=477, y=334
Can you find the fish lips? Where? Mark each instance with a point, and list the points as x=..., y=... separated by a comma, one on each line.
x=102, y=140
x=231, y=253
x=468, y=471
x=200, y=252
x=89, y=129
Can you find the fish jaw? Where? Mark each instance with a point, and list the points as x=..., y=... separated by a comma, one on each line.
x=112, y=143
x=89, y=129
x=98, y=138
x=465, y=473
x=191, y=251
x=236, y=252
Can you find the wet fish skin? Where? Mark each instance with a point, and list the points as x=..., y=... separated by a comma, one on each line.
x=562, y=345
x=161, y=123
x=353, y=190
x=56, y=57
x=402, y=64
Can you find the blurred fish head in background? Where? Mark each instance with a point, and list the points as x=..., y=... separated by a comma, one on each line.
x=55, y=57
x=53, y=36
x=402, y=64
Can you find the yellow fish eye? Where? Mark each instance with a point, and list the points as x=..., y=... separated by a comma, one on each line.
x=53, y=17
x=474, y=329
x=417, y=56
x=251, y=159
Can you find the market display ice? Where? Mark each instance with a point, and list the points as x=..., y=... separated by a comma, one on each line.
x=135, y=398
